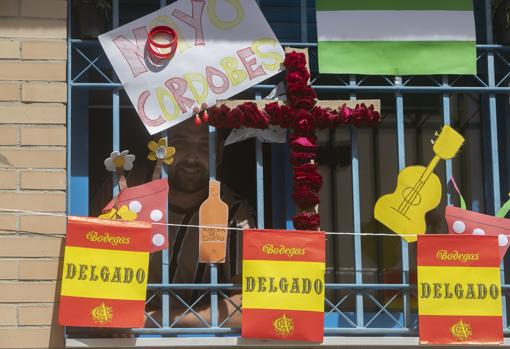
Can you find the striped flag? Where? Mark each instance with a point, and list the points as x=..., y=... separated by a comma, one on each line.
x=283, y=285
x=459, y=289
x=396, y=37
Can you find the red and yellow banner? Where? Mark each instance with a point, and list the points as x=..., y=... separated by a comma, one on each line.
x=459, y=290
x=104, y=278
x=283, y=285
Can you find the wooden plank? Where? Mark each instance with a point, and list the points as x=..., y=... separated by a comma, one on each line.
x=333, y=104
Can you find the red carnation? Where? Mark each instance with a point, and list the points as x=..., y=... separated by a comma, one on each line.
x=301, y=96
x=312, y=180
x=298, y=158
x=263, y=120
x=253, y=117
x=309, y=175
x=326, y=117
x=277, y=114
x=236, y=118
x=306, y=168
x=303, y=143
x=307, y=221
x=302, y=121
x=295, y=61
x=344, y=115
x=304, y=197
x=297, y=77
x=218, y=116
x=374, y=118
x=360, y=115
x=303, y=103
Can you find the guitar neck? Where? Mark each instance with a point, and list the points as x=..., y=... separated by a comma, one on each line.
x=430, y=168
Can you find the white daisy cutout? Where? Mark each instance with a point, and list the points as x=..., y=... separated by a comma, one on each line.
x=122, y=160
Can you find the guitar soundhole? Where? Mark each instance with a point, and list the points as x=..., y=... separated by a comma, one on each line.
x=411, y=197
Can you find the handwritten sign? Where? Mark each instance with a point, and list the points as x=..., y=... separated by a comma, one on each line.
x=224, y=47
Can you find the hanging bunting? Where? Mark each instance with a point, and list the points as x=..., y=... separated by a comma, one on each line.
x=283, y=285
x=104, y=278
x=459, y=290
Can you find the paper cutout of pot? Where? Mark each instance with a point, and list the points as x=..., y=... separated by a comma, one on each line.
x=149, y=201
x=468, y=222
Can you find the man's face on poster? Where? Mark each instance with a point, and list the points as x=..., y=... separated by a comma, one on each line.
x=190, y=170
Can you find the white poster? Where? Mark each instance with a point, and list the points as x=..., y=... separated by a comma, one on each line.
x=224, y=47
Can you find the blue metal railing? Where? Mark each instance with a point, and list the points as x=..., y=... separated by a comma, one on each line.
x=358, y=310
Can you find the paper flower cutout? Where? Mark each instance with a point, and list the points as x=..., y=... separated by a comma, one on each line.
x=160, y=151
x=123, y=213
x=123, y=160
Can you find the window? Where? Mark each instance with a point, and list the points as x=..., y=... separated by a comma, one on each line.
x=370, y=279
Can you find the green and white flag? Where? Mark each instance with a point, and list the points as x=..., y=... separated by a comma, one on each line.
x=396, y=37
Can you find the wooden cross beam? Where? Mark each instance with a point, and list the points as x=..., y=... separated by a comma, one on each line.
x=332, y=104
x=307, y=179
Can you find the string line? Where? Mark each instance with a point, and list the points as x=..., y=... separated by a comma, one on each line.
x=239, y=229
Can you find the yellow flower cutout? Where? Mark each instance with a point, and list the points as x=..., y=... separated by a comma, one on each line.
x=122, y=213
x=160, y=151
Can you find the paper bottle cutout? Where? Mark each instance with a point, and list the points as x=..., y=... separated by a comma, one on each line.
x=418, y=191
x=104, y=278
x=212, y=246
x=149, y=202
x=459, y=290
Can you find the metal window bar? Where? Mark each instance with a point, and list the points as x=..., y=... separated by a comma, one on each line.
x=358, y=323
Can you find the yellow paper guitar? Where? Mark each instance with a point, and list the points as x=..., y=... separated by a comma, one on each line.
x=418, y=190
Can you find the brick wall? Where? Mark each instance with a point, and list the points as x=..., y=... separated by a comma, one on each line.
x=32, y=168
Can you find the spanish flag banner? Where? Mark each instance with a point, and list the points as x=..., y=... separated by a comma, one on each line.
x=459, y=290
x=283, y=285
x=104, y=278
